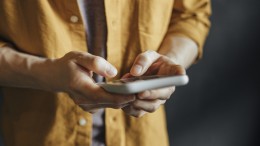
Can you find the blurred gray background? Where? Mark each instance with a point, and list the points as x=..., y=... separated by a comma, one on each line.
x=220, y=106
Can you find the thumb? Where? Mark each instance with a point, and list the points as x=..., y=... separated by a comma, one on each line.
x=97, y=64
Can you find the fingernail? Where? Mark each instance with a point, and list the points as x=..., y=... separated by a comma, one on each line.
x=111, y=71
x=137, y=69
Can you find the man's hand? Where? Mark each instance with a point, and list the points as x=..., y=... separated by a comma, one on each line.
x=73, y=74
x=152, y=63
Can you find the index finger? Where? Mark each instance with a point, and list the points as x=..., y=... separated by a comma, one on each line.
x=143, y=62
x=96, y=64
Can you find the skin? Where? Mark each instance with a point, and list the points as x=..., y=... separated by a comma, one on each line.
x=175, y=54
x=73, y=72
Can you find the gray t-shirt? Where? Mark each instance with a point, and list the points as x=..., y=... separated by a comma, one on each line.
x=93, y=15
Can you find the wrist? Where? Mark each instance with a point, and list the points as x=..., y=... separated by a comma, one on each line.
x=181, y=50
x=43, y=73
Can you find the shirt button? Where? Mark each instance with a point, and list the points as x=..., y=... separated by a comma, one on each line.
x=82, y=122
x=113, y=22
x=74, y=19
x=112, y=119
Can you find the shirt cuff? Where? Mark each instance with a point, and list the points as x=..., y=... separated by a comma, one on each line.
x=193, y=30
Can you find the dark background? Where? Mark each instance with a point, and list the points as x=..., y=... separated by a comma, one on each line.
x=220, y=106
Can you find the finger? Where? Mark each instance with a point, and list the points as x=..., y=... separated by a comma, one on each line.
x=143, y=62
x=153, y=69
x=94, y=94
x=96, y=64
x=178, y=70
x=115, y=100
x=168, y=67
x=93, y=108
x=173, y=70
x=128, y=75
x=130, y=110
x=148, y=106
x=162, y=94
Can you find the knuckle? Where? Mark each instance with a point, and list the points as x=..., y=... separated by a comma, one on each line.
x=172, y=89
x=135, y=112
x=170, y=92
x=152, y=109
x=163, y=102
x=153, y=94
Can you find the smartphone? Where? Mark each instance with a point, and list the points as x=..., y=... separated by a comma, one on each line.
x=138, y=84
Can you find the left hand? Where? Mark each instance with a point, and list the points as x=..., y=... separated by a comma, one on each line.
x=151, y=63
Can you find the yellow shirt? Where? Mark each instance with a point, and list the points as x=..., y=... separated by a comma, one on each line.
x=52, y=28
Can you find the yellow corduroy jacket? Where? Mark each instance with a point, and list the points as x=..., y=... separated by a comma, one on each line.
x=51, y=28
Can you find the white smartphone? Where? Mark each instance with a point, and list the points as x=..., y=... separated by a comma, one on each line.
x=139, y=84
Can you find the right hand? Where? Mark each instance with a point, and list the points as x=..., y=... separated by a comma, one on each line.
x=73, y=74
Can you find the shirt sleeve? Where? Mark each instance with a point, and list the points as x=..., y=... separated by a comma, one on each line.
x=191, y=18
